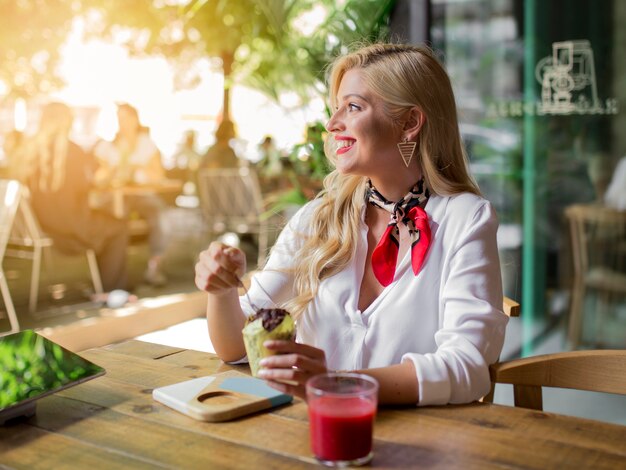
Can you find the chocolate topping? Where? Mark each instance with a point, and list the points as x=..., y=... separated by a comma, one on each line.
x=270, y=317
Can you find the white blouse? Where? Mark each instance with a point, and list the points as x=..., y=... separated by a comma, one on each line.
x=447, y=320
x=141, y=155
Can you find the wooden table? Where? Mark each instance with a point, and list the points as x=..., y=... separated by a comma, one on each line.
x=119, y=194
x=113, y=422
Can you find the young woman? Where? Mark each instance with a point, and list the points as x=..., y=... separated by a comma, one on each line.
x=393, y=269
x=60, y=175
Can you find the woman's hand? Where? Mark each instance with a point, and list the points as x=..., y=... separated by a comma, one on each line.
x=219, y=268
x=293, y=363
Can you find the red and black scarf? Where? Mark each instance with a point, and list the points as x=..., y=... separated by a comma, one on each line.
x=408, y=210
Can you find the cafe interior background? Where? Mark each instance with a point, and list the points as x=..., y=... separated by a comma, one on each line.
x=540, y=88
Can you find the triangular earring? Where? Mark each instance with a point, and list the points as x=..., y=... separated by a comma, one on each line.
x=407, y=149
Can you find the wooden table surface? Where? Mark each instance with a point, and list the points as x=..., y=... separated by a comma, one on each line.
x=113, y=422
x=120, y=193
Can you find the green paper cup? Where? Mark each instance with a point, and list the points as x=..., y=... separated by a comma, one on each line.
x=254, y=335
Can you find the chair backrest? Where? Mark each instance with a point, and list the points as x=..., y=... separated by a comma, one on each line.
x=511, y=307
x=591, y=370
x=231, y=199
x=598, y=235
x=26, y=231
x=10, y=198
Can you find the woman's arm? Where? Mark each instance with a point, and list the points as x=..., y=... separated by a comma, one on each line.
x=218, y=272
x=472, y=324
x=225, y=320
x=397, y=384
x=295, y=363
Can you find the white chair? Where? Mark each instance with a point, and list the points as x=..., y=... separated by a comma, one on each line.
x=9, y=196
x=231, y=201
x=27, y=240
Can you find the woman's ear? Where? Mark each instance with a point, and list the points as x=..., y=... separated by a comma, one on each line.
x=413, y=124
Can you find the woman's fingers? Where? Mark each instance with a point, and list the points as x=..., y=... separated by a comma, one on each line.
x=295, y=390
x=218, y=267
x=291, y=367
x=218, y=271
x=291, y=381
x=284, y=347
x=209, y=278
x=292, y=362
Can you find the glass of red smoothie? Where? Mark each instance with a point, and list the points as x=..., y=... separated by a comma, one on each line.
x=342, y=407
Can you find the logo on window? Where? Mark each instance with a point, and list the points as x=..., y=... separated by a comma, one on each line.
x=568, y=85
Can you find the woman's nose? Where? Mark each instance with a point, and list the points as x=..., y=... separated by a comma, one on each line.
x=334, y=124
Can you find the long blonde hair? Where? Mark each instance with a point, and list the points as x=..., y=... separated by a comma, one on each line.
x=403, y=77
x=45, y=154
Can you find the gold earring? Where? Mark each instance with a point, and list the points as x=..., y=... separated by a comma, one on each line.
x=407, y=149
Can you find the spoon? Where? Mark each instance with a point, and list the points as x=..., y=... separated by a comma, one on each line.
x=245, y=291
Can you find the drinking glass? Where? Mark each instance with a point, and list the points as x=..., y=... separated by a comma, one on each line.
x=342, y=407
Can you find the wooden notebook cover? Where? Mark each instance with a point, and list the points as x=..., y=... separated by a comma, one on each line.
x=220, y=397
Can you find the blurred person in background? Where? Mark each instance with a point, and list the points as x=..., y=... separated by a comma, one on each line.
x=186, y=163
x=615, y=195
x=59, y=175
x=132, y=158
x=186, y=159
x=221, y=154
x=270, y=163
x=11, y=147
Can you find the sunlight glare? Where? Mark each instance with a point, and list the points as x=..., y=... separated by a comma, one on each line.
x=101, y=74
x=309, y=21
x=20, y=115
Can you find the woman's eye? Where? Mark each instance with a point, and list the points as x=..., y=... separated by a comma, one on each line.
x=353, y=107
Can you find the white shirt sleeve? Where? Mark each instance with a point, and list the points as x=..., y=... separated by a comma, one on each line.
x=106, y=151
x=472, y=330
x=447, y=320
x=273, y=286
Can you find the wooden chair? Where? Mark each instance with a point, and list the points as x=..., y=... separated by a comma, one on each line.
x=9, y=197
x=510, y=307
x=595, y=370
x=598, y=236
x=231, y=201
x=27, y=240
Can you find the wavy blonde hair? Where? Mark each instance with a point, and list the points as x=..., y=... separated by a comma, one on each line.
x=46, y=152
x=404, y=77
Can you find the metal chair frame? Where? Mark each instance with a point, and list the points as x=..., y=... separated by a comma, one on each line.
x=9, y=194
x=28, y=241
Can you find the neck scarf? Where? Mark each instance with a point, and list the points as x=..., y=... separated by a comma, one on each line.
x=408, y=211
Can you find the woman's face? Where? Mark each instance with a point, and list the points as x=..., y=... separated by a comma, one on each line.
x=127, y=120
x=365, y=138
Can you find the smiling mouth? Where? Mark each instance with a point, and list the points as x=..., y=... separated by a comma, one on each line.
x=344, y=145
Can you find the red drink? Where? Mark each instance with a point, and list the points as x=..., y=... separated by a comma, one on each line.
x=341, y=428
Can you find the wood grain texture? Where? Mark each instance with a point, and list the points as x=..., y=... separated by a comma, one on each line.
x=113, y=422
x=511, y=307
x=593, y=370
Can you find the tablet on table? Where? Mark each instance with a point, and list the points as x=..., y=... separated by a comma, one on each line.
x=31, y=367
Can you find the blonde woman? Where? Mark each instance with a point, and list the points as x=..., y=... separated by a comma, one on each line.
x=393, y=269
x=59, y=175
